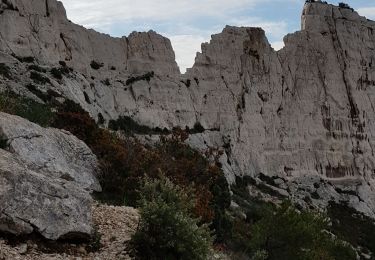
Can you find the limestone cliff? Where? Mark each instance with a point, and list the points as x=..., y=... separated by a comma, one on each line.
x=304, y=114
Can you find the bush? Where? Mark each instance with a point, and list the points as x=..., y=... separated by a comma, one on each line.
x=47, y=97
x=345, y=6
x=129, y=126
x=3, y=143
x=146, y=77
x=288, y=234
x=5, y=71
x=96, y=65
x=198, y=129
x=62, y=63
x=167, y=229
x=56, y=73
x=101, y=119
x=37, y=68
x=106, y=82
x=39, y=78
x=12, y=103
x=27, y=59
x=352, y=226
x=125, y=162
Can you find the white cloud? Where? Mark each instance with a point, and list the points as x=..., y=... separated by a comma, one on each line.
x=98, y=12
x=277, y=45
x=369, y=12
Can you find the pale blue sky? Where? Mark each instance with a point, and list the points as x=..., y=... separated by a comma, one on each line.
x=188, y=23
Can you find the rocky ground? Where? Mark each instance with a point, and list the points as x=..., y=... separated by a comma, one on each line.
x=115, y=225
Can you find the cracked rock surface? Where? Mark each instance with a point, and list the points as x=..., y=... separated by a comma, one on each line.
x=57, y=152
x=35, y=194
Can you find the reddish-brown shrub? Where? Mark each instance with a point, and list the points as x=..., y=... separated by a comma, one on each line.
x=125, y=162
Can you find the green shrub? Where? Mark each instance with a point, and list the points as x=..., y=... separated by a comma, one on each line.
x=56, y=73
x=125, y=162
x=12, y=103
x=27, y=59
x=62, y=63
x=345, y=6
x=129, y=126
x=288, y=234
x=3, y=143
x=5, y=71
x=101, y=119
x=39, y=78
x=167, y=229
x=352, y=226
x=48, y=97
x=198, y=129
x=146, y=77
x=37, y=68
x=106, y=82
x=94, y=244
x=96, y=65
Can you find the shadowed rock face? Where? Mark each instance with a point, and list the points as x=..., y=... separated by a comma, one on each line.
x=304, y=113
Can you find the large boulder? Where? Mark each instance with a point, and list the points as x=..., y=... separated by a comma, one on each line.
x=57, y=152
x=46, y=177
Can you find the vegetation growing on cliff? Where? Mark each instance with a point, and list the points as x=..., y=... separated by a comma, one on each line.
x=146, y=77
x=12, y=103
x=252, y=232
x=5, y=71
x=38, y=78
x=125, y=162
x=352, y=226
x=3, y=143
x=281, y=231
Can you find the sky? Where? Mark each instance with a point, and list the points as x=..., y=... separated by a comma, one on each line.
x=189, y=23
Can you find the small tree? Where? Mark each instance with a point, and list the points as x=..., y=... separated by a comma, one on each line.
x=167, y=228
x=289, y=234
x=345, y=6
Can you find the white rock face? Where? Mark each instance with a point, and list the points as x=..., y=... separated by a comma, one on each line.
x=46, y=177
x=305, y=113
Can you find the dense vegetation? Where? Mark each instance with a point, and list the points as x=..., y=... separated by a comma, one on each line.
x=125, y=162
x=351, y=226
x=168, y=229
x=275, y=232
x=12, y=103
x=289, y=234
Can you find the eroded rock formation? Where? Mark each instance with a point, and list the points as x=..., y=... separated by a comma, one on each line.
x=46, y=177
x=304, y=114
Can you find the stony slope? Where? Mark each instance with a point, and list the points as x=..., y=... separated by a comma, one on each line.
x=304, y=114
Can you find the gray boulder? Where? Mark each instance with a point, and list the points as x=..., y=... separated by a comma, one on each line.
x=46, y=177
